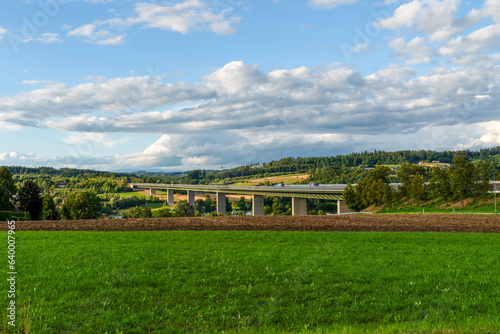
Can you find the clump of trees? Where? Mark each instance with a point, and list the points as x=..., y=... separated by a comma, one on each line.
x=82, y=205
x=464, y=179
x=373, y=190
x=30, y=199
x=7, y=189
x=29, y=196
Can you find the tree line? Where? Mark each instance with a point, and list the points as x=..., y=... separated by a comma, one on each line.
x=464, y=179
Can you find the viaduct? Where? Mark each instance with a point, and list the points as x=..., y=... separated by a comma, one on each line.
x=298, y=193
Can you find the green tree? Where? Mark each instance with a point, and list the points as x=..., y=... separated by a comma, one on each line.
x=83, y=205
x=379, y=192
x=462, y=177
x=30, y=199
x=406, y=173
x=352, y=198
x=417, y=189
x=134, y=212
x=483, y=184
x=162, y=212
x=375, y=194
x=242, y=204
x=7, y=189
x=146, y=213
x=440, y=183
x=183, y=209
x=50, y=210
x=229, y=208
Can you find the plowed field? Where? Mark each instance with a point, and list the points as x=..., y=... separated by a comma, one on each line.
x=394, y=223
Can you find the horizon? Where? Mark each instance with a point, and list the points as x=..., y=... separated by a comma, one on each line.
x=195, y=84
x=259, y=164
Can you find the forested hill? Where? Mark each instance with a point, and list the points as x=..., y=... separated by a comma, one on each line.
x=64, y=172
x=311, y=165
x=362, y=159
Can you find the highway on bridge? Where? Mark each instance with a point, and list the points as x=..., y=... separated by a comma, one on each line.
x=299, y=194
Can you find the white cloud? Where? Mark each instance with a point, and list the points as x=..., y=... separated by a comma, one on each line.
x=48, y=38
x=416, y=49
x=330, y=3
x=436, y=18
x=362, y=47
x=2, y=32
x=98, y=138
x=492, y=8
x=488, y=133
x=99, y=36
x=234, y=77
x=485, y=38
x=239, y=114
x=183, y=17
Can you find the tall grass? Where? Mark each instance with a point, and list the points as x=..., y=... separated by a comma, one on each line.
x=258, y=282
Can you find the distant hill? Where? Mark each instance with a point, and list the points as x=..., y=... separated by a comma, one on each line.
x=329, y=167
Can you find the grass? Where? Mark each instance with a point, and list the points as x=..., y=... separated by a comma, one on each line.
x=286, y=179
x=257, y=282
x=440, y=206
x=154, y=206
x=130, y=194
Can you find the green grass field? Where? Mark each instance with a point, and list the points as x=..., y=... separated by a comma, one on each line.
x=273, y=179
x=256, y=282
x=130, y=194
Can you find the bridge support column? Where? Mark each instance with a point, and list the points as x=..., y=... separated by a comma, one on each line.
x=299, y=206
x=190, y=197
x=221, y=203
x=342, y=208
x=170, y=196
x=258, y=205
x=152, y=191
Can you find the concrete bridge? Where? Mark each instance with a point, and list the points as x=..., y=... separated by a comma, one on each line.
x=298, y=193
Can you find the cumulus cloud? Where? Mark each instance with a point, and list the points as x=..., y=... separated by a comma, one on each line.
x=239, y=114
x=436, y=18
x=416, y=49
x=234, y=77
x=119, y=95
x=486, y=38
x=492, y=8
x=182, y=17
x=238, y=96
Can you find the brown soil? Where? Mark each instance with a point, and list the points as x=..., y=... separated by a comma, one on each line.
x=393, y=223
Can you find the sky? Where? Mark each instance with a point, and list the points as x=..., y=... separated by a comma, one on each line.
x=179, y=85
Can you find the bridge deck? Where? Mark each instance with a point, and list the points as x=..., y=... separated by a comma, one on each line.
x=332, y=192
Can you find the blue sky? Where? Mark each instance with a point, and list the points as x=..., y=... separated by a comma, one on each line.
x=176, y=85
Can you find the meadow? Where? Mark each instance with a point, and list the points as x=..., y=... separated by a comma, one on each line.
x=255, y=282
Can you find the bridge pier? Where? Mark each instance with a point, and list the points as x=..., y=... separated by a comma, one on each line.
x=342, y=208
x=221, y=203
x=152, y=191
x=170, y=196
x=258, y=205
x=190, y=197
x=299, y=206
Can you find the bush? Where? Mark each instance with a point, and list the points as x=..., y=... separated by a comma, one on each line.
x=4, y=215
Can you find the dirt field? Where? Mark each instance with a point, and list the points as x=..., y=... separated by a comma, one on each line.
x=395, y=223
